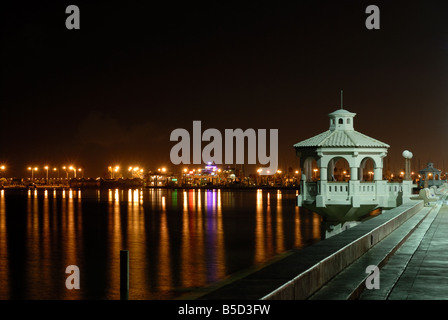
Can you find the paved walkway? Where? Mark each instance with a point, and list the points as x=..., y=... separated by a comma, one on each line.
x=413, y=262
x=419, y=268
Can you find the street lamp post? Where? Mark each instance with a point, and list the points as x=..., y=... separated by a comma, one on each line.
x=2, y=169
x=66, y=173
x=157, y=177
x=112, y=170
x=32, y=172
x=279, y=172
x=46, y=180
x=260, y=182
x=74, y=171
x=408, y=156
x=56, y=169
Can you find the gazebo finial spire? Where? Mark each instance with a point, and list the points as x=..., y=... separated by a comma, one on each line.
x=342, y=95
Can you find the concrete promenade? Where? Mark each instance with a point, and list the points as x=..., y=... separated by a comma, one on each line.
x=418, y=269
x=413, y=262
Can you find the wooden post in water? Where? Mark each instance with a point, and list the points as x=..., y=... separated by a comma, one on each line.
x=124, y=274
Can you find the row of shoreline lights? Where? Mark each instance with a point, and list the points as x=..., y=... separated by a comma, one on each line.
x=219, y=170
x=135, y=171
x=116, y=169
x=47, y=168
x=185, y=170
x=278, y=171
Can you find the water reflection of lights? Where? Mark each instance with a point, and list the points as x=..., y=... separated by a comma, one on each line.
x=164, y=267
x=260, y=250
x=202, y=247
x=280, y=240
x=177, y=239
x=269, y=226
x=51, y=226
x=4, y=265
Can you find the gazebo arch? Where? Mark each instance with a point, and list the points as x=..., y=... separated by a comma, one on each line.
x=307, y=167
x=377, y=168
x=336, y=168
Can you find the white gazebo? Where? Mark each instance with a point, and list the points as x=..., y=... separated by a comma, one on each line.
x=430, y=176
x=345, y=200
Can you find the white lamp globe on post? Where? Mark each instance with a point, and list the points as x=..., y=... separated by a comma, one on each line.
x=407, y=165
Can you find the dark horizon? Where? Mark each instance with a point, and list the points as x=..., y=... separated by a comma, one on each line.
x=112, y=92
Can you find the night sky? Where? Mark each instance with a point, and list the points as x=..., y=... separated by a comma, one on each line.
x=112, y=92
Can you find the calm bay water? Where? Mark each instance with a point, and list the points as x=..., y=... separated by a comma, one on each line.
x=178, y=240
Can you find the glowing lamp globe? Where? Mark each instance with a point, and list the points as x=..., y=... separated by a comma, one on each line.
x=407, y=154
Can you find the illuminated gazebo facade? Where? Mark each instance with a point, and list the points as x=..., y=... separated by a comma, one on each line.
x=430, y=176
x=344, y=200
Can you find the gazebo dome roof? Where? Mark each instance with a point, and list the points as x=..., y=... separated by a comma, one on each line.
x=341, y=112
x=341, y=139
x=430, y=168
x=341, y=134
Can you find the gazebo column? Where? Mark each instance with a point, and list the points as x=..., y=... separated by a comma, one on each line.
x=322, y=164
x=361, y=173
x=354, y=173
x=378, y=174
x=322, y=184
x=353, y=187
x=323, y=174
x=330, y=169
